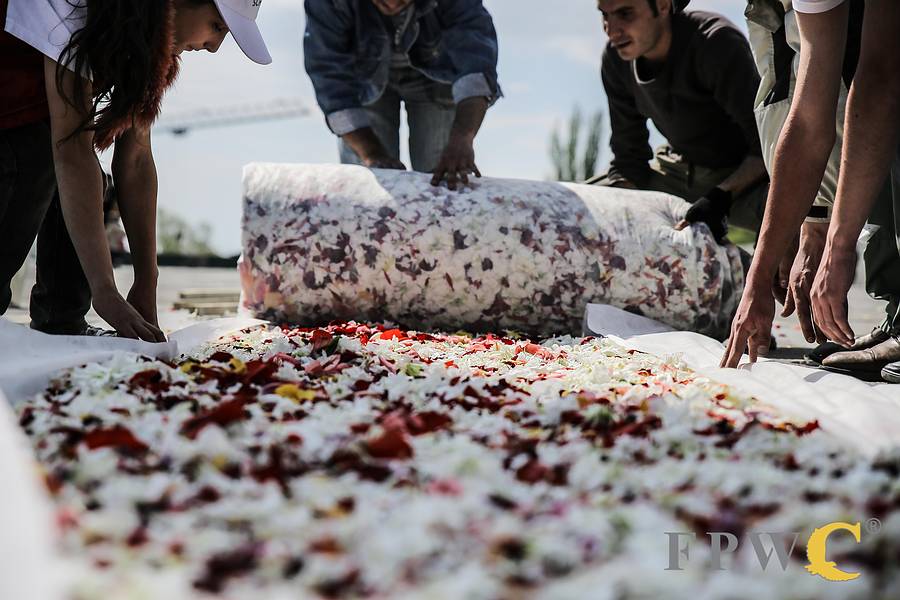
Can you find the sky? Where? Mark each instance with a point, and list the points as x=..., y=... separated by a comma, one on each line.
x=549, y=63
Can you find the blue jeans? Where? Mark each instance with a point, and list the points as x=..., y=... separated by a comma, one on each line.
x=430, y=111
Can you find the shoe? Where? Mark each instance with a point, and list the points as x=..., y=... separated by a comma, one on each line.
x=823, y=351
x=91, y=331
x=866, y=363
x=891, y=373
x=86, y=330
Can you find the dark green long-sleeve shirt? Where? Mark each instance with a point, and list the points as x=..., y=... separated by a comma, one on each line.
x=701, y=99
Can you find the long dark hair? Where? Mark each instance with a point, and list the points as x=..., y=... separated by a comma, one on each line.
x=125, y=46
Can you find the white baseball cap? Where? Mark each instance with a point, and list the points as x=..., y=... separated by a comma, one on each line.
x=240, y=16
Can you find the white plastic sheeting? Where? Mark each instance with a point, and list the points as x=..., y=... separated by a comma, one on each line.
x=29, y=359
x=326, y=242
x=864, y=416
x=29, y=567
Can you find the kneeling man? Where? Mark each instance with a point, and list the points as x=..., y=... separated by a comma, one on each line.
x=437, y=57
x=693, y=75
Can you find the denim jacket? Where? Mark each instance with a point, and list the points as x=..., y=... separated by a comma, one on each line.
x=348, y=49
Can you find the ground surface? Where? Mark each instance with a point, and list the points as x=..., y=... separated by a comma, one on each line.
x=865, y=312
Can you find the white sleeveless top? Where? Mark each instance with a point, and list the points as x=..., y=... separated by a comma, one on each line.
x=46, y=25
x=815, y=6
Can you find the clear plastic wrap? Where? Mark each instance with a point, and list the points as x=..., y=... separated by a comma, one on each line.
x=324, y=242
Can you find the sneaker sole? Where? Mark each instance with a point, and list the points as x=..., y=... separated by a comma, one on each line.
x=890, y=376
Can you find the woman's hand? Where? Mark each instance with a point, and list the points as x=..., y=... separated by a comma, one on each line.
x=124, y=318
x=142, y=297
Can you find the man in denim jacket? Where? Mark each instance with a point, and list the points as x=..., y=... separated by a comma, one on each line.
x=439, y=57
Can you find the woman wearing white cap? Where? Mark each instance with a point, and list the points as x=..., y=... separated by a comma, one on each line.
x=78, y=76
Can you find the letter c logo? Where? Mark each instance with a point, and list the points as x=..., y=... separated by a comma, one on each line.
x=815, y=552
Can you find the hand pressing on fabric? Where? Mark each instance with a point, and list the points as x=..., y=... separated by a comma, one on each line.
x=711, y=209
x=830, y=289
x=802, y=275
x=624, y=184
x=370, y=150
x=751, y=329
x=124, y=318
x=384, y=162
x=781, y=282
x=458, y=160
x=457, y=163
x=142, y=296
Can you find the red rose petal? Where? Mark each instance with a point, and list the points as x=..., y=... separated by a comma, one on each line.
x=390, y=444
x=117, y=437
x=223, y=415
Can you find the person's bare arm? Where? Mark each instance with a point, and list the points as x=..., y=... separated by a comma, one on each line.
x=799, y=164
x=458, y=159
x=871, y=133
x=370, y=150
x=81, y=198
x=134, y=172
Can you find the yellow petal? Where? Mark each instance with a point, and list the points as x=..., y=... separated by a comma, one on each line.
x=188, y=366
x=292, y=392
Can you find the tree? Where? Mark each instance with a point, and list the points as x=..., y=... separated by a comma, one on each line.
x=564, y=154
x=176, y=236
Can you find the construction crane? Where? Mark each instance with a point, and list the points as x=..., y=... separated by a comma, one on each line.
x=182, y=123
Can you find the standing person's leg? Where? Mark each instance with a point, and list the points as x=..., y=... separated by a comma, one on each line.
x=384, y=115
x=27, y=186
x=891, y=372
x=430, y=111
x=881, y=256
x=882, y=259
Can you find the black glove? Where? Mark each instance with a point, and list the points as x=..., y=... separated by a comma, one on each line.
x=712, y=209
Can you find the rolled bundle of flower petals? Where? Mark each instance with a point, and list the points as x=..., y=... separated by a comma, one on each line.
x=326, y=242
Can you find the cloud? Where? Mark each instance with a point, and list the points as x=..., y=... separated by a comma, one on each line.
x=582, y=49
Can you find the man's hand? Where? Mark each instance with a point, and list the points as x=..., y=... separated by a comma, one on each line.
x=458, y=160
x=802, y=276
x=624, y=184
x=711, y=209
x=142, y=297
x=457, y=163
x=370, y=150
x=781, y=282
x=829, y=293
x=752, y=326
x=123, y=317
x=383, y=162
